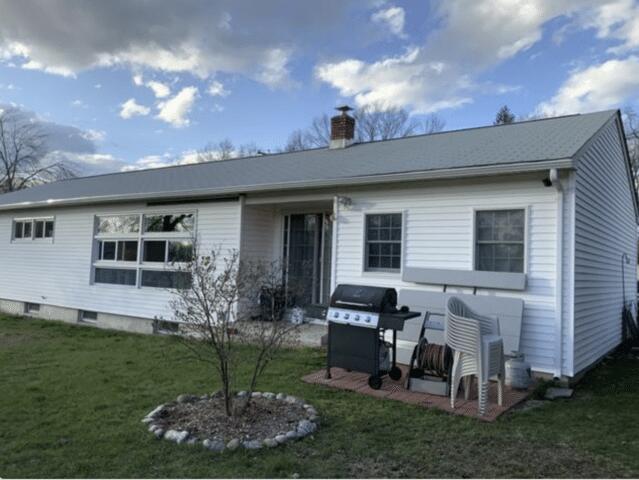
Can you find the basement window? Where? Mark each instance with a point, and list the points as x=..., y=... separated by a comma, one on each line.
x=87, y=316
x=167, y=328
x=31, y=307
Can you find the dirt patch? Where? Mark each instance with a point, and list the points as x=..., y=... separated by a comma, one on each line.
x=264, y=418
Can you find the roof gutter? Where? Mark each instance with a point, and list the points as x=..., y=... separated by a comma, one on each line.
x=449, y=173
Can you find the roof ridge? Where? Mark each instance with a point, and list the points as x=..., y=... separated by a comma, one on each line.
x=444, y=132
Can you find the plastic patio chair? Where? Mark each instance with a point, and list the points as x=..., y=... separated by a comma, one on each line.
x=478, y=350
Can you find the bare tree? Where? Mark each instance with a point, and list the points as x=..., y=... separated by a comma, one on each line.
x=225, y=150
x=433, y=124
x=631, y=128
x=23, y=153
x=217, y=311
x=373, y=122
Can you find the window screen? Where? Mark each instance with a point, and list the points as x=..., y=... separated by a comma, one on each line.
x=499, y=238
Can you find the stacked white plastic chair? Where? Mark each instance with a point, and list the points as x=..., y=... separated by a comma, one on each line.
x=478, y=350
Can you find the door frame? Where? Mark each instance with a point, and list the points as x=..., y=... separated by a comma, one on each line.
x=324, y=271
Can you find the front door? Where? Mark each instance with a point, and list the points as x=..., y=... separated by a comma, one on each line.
x=307, y=254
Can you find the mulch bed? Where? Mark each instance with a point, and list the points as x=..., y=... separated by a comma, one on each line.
x=263, y=418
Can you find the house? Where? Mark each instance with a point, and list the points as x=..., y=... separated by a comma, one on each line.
x=543, y=210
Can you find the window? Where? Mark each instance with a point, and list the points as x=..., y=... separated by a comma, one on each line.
x=163, y=239
x=499, y=240
x=168, y=223
x=166, y=279
x=33, y=228
x=383, y=242
x=88, y=317
x=116, y=276
x=31, y=307
x=166, y=327
x=167, y=251
x=115, y=224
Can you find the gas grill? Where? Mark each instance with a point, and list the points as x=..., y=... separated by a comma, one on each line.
x=358, y=317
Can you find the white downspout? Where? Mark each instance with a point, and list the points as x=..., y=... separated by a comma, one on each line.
x=334, y=243
x=553, y=175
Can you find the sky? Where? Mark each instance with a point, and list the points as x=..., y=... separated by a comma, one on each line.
x=127, y=84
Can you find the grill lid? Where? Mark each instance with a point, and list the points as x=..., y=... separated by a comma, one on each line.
x=365, y=298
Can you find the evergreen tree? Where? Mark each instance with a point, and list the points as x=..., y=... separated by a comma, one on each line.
x=504, y=116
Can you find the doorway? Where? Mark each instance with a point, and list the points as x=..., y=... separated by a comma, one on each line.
x=307, y=257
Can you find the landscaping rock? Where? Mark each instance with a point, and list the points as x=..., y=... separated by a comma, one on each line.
x=242, y=394
x=311, y=411
x=270, y=443
x=256, y=394
x=252, y=445
x=204, y=397
x=155, y=412
x=186, y=398
x=555, y=392
x=313, y=418
x=213, y=445
x=306, y=427
x=291, y=435
x=280, y=396
x=281, y=439
x=175, y=436
x=268, y=395
x=291, y=399
x=233, y=444
x=191, y=441
x=159, y=433
x=147, y=419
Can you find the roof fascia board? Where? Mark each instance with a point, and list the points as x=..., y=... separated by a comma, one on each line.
x=511, y=168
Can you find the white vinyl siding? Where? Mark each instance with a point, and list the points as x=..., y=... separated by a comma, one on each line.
x=259, y=228
x=59, y=273
x=438, y=233
x=605, y=229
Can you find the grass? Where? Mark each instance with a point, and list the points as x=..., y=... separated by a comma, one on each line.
x=72, y=397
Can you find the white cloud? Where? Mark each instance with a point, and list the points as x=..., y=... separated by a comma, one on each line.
x=164, y=160
x=472, y=38
x=131, y=108
x=94, y=135
x=617, y=20
x=217, y=89
x=392, y=18
x=598, y=87
x=78, y=103
x=255, y=39
x=160, y=90
x=176, y=109
x=138, y=79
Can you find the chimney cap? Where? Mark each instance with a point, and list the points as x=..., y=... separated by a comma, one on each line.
x=344, y=109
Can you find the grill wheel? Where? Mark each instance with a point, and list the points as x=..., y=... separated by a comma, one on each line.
x=375, y=382
x=395, y=373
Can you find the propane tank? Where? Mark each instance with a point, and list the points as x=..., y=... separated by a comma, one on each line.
x=518, y=373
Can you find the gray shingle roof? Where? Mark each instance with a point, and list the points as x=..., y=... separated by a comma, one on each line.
x=519, y=143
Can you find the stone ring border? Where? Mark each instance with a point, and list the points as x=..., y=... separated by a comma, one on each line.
x=304, y=427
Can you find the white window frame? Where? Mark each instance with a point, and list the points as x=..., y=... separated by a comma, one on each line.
x=473, y=244
x=140, y=236
x=384, y=272
x=33, y=221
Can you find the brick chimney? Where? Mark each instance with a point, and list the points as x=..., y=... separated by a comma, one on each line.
x=342, y=128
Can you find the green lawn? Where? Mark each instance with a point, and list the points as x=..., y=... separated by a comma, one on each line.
x=71, y=400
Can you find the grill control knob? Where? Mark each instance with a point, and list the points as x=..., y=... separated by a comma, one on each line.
x=368, y=319
x=357, y=318
x=336, y=314
x=346, y=315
